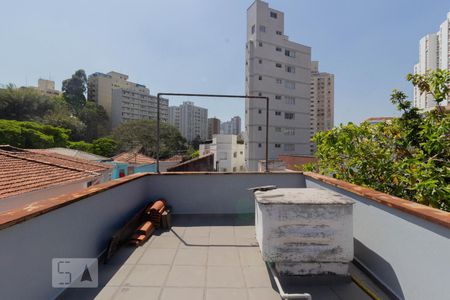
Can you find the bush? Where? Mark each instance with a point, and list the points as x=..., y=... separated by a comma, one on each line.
x=408, y=157
x=81, y=145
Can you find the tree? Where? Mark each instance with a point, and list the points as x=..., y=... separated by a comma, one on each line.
x=408, y=157
x=61, y=116
x=196, y=142
x=81, y=145
x=105, y=146
x=143, y=133
x=32, y=134
x=96, y=120
x=24, y=104
x=74, y=90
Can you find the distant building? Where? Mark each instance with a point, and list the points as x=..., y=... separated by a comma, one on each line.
x=322, y=101
x=127, y=163
x=30, y=176
x=231, y=127
x=281, y=70
x=191, y=120
x=124, y=100
x=228, y=154
x=213, y=127
x=434, y=53
x=199, y=164
x=47, y=87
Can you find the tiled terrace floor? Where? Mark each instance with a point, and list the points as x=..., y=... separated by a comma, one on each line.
x=202, y=257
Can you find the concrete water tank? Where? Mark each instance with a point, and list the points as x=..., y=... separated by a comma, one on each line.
x=305, y=231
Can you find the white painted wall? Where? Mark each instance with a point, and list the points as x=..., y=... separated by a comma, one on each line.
x=229, y=156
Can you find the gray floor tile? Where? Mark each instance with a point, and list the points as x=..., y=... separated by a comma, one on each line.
x=126, y=255
x=193, y=256
x=186, y=276
x=223, y=256
x=137, y=293
x=263, y=294
x=194, y=241
x=112, y=275
x=221, y=231
x=257, y=276
x=170, y=293
x=223, y=276
x=250, y=256
x=147, y=275
x=226, y=294
x=106, y=293
x=158, y=256
x=196, y=231
x=165, y=242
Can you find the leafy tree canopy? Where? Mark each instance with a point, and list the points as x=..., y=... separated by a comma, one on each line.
x=105, y=146
x=74, y=90
x=143, y=133
x=96, y=120
x=408, y=157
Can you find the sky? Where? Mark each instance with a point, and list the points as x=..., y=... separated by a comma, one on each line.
x=198, y=46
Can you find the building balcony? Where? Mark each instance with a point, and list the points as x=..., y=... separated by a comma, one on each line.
x=211, y=252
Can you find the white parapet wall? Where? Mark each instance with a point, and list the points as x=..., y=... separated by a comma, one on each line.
x=305, y=231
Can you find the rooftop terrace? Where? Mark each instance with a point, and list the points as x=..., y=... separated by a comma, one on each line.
x=400, y=247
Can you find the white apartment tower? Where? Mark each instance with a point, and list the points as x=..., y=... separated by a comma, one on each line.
x=434, y=53
x=191, y=120
x=322, y=101
x=280, y=69
x=124, y=100
x=231, y=127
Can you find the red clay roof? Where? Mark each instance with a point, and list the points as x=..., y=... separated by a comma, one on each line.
x=134, y=158
x=25, y=171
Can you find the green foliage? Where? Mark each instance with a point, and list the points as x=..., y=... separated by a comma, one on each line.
x=143, y=133
x=408, y=157
x=195, y=154
x=105, y=147
x=32, y=134
x=81, y=145
x=96, y=120
x=74, y=90
x=23, y=104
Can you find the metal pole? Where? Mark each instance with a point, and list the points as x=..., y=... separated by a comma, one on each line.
x=158, y=140
x=267, y=135
x=211, y=96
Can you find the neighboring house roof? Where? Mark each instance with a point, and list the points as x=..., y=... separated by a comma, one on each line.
x=175, y=158
x=134, y=158
x=74, y=153
x=203, y=163
x=26, y=171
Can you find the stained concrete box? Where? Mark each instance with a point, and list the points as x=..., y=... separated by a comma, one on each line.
x=305, y=231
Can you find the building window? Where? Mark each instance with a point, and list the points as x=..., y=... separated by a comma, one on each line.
x=259, y=128
x=253, y=29
x=277, y=129
x=279, y=81
x=290, y=69
x=289, y=147
x=278, y=97
x=259, y=94
x=289, y=100
x=289, y=84
x=259, y=111
x=260, y=61
x=278, y=49
x=259, y=77
x=289, y=131
x=262, y=28
x=289, y=53
x=273, y=14
x=235, y=154
x=278, y=65
x=234, y=169
x=278, y=113
x=279, y=32
x=289, y=116
x=259, y=145
x=260, y=44
x=277, y=145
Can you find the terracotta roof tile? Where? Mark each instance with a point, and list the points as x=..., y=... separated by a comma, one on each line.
x=25, y=171
x=134, y=158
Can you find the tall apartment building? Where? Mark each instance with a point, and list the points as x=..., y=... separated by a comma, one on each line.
x=231, y=127
x=191, y=120
x=124, y=100
x=228, y=153
x=280, y=69
x=434, y=53
x=322, y=101
x=213, y=127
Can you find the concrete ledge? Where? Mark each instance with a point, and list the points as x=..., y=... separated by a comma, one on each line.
x=428, y=213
